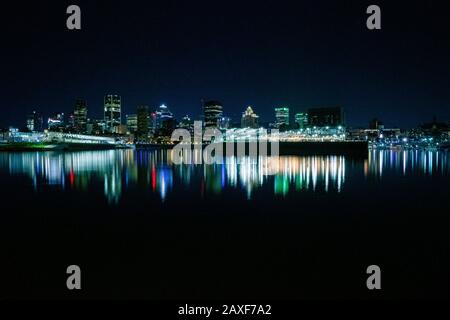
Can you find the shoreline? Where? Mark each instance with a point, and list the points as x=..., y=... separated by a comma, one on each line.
x=28, y=147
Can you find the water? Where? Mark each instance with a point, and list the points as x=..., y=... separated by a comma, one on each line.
x=293, y=227
x=153, y=174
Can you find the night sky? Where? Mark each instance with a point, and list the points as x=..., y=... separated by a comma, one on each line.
x=299, y=54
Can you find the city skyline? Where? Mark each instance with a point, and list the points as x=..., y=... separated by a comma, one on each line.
x=199, y=115
x=260, y=153
x=303, y=55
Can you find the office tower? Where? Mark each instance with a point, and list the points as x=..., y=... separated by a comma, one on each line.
x=153, y=120
x=142, y=122
x=301, y=120
x=224, y=123
x=35, y=122
x=326, y=117
x=167, y=128
x=162, y=114
x=97, y=126
x=56, y=123
x=113, y=112
x=282, y=118
x=249, y=119
x=186, y=123
x=213, y=111
x=80, y=116
x=132, y=123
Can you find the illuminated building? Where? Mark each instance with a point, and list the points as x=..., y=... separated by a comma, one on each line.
x=249, y=119
x=121, y=129
x=132, y=123
x=160, y=119
x=282, y=118
x=142, y=122
x=224, y=123
x=113, y=112
x=186, y=123
x=163, y=115
x=56, y=123
x=301, y=120
x=213, y=113
x=152, y=122
x=80, y=116
x=98, y=126
x=35, y=122
x=322, y=117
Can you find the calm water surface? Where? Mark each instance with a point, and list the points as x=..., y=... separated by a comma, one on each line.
x=152, y=175
x=294, y=227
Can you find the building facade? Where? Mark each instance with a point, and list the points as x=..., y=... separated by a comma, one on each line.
x=213, y=111
x=301, y=120
x=142, y=119
x=186, y=123
x=56, y=123
x=132, y=123
x=323, y=117
x=35, y=122
x=249, y=119
x=113, y=112
x=161, y=116
x=282, y=118
x=80, y=116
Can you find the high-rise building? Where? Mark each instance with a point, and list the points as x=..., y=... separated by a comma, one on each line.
x=163, y=114
x=132, y=123
x=80, y=116
x=113, y=112
x=142, y=122
x=224, y=123
x=35, y=122
x=249, y=119
x=186, y=123
x=213, y=111
x=56, y=123
x=282, y=118
x=97, y=126
x=326, y=117
x=153, y=121
x=301, y=120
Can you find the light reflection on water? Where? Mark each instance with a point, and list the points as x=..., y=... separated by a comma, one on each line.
x=154, y=171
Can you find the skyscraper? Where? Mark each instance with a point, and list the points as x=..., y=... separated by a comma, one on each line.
x=282, y=118
x=142, y=122
x=132, y=123
x=301, y=120
x=213, y=111
x=56, y=123
x=323, y=117
x=35, y=122
x=186, y=123
x=249, y=119
x=113, y=112
x=224, y=123
x=163, y=114
x=80, y=116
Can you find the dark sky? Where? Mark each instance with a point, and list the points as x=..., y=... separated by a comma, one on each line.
x=268, y=53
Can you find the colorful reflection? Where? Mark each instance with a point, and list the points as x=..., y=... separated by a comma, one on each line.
x=114, y=172
x=406, y=162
